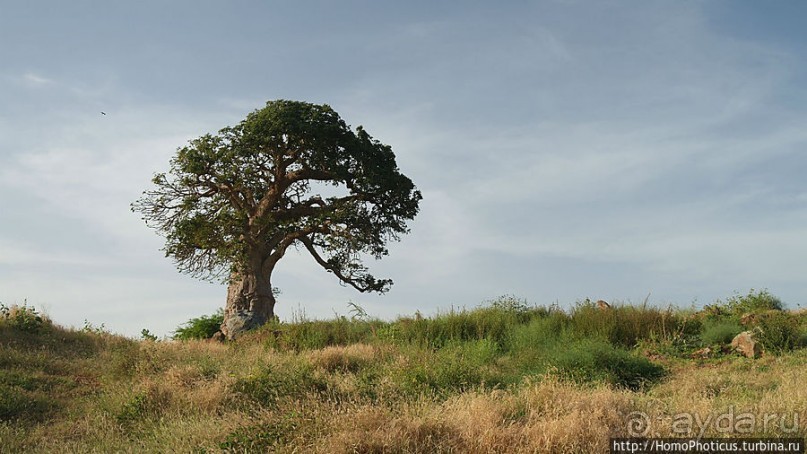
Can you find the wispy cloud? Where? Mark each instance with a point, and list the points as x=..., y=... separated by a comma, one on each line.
x=35, y=80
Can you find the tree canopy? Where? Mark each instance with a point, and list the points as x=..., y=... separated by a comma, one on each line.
x=290, y=174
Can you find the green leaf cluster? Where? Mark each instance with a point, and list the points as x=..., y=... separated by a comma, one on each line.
x=290, y=174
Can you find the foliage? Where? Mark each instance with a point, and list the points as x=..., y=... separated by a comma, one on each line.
x=739, y=305
x=720, y=331
x=145, y=334
x=456, y=367
x=134, y=409
x=203, y=327
x=357, y=312
x=595, y=359
x=94, y=329
x=23, y=318
x=778, y=332
x=245, y=195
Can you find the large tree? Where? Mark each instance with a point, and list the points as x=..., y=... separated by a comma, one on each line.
x=290, y=174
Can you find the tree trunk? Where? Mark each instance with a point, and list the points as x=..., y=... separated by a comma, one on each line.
x=250, y=303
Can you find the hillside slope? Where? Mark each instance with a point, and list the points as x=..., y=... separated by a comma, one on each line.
x=503, y=378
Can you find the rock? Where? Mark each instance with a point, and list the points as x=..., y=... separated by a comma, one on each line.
x=745, y=344
x=603, y=305
x=703, y=353
x=218, y=337
x=238, y=322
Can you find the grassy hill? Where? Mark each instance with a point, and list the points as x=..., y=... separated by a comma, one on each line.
x=505, y=377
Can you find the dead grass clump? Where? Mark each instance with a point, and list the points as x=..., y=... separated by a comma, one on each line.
x=350, y=358
x=376, y=430
x=547, y=416
x=563, y=417
x=488, y=422
x=196, y=390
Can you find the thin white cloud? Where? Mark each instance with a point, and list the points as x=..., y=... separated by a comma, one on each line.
x=35, y=80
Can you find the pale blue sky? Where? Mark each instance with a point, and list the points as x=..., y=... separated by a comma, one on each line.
x=565, y=149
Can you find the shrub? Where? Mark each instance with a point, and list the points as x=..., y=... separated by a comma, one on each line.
x=778, y=332
x=22, y=318
x=135, y=408
x=719, y=331
x=203, y=327
x=594, y=359
x=753, y=302
x=458, y=366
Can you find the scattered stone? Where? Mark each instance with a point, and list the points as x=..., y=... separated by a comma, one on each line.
x=745, y=344
x=239, y=321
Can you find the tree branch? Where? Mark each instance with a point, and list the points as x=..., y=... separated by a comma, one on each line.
x=334, y=269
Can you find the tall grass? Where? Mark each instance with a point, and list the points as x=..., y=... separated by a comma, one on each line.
x=627, y=325
x=504, y=377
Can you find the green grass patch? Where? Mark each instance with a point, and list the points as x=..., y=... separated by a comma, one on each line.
x=720, y=331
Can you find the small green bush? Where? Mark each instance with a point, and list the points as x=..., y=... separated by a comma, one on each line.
x=203, y=327
x=719, y=331
x=753, y=302
x=802, y=342
x=778, y=332
x=458, y=366
x=594, y=359
x=137, y=407
x=22, y=318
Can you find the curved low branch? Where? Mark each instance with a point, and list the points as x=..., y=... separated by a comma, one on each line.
x=336, y=271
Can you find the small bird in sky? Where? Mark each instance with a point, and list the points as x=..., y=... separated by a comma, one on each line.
x=103, y=113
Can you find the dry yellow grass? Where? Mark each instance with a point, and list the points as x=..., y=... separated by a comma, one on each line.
x=195, y=397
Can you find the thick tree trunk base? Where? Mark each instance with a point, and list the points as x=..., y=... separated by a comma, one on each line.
x=250, y=304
